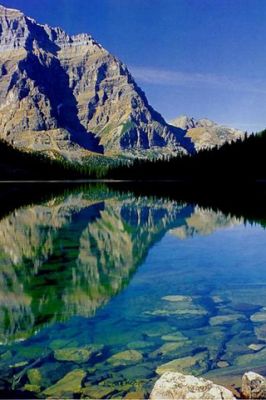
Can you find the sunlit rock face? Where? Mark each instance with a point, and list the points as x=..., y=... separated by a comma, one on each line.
x=71, y=255
x=67, y=94
x=205, y=133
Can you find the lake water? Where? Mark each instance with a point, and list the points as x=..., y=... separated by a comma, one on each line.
x=101, y=292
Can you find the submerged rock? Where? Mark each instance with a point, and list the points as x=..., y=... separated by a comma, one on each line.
x=136, y=372
x=174, y=337
x=168, y=348
x=225, y=319
x=134, y=396
x=256, y=346
x=32, y=388
x=67, y=386
x=253, y=386
x=78, y=355
x=222, y=364
x=139, y=344
x=260, y=332
x=6, y=355
x=178, y=306
x=217, y=299
x=182, y=310
x=176, y=298
x=259, y=316
x=34, y=376
x=97, y=392
x=252, y=359
x=157, y=329
x=173, y=385
x=197, y=363
x=125, y=357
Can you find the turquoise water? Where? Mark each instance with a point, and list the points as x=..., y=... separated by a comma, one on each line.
x=101, y=292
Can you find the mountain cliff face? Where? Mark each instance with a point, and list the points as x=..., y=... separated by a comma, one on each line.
x=205, y=133
x=68, y=95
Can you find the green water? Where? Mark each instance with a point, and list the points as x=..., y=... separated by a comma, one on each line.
x=100, y=291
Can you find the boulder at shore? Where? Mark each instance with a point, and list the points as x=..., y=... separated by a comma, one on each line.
x=173, y=385
x=253, y=386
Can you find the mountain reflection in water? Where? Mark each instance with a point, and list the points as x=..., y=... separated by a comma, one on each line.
x=120, y=272
x=70, y=255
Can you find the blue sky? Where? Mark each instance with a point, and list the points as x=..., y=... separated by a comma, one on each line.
x=203, y=58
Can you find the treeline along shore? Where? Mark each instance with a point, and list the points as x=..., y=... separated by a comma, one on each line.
x=240, y=161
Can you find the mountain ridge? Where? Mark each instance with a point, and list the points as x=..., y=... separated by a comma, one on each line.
x=206, y=133
x=66, y=95
x=75, y=95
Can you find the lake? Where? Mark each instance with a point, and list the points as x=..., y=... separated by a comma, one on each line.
x=103, y=290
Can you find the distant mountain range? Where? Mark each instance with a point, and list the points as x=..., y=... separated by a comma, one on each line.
x=205, y=133
x=67, y=96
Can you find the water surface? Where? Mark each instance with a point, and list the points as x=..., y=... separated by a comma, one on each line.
x=100, y=291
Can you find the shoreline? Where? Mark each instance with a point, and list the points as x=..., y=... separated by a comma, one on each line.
x=173, y=385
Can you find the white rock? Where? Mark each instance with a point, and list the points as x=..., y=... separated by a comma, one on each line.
x=173, y=385
x=253, y=386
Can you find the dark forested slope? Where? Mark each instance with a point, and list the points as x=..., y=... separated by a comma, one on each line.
x=243, y=160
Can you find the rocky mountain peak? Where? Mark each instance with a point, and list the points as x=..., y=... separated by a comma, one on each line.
x=183, y=122
x=205, y=133
x=67, y=94
x=13, y=29
x=10, y=12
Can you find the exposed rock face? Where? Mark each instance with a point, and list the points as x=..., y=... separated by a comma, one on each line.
x=173, y=385
x=253, y=386
x=66, y=94
x=205, y=133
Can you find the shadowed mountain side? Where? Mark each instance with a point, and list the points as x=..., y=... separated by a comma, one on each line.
x=53, y=81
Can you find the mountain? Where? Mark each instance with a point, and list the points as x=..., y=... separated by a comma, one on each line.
x=67, y=95
x=205, y=133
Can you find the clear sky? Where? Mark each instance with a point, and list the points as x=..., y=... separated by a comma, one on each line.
x=203, y=58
